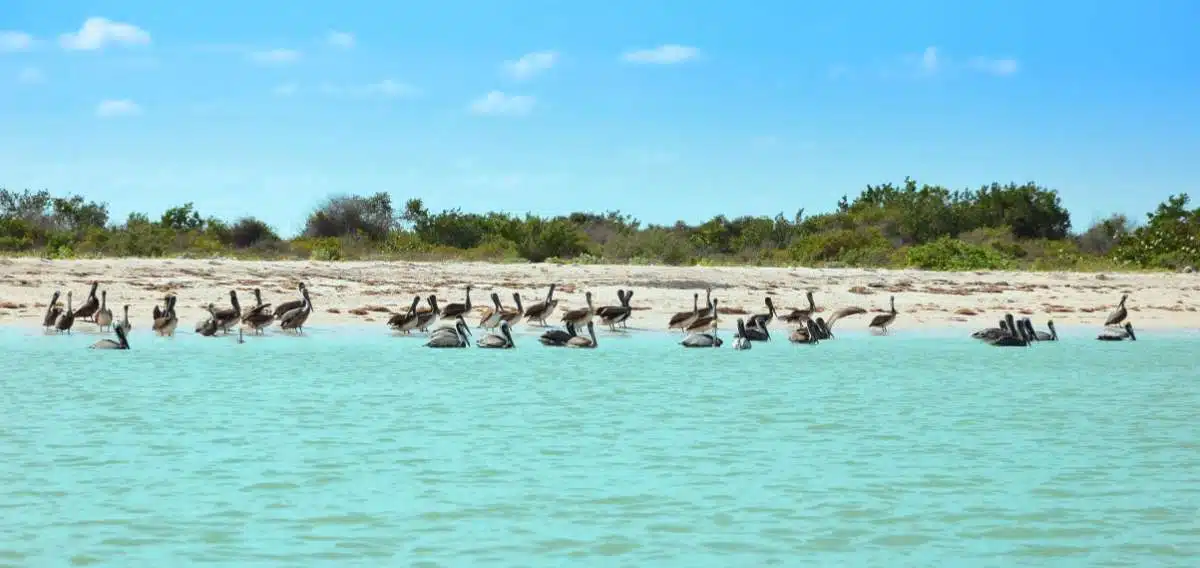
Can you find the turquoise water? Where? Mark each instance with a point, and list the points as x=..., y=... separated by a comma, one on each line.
x=352, y=447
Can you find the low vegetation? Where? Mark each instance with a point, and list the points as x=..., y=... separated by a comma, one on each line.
x=906, y=225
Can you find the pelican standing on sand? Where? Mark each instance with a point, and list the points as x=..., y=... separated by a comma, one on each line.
x=513, y=317
x=407, y=321
x=121, y=343
x=503, y=340
x=705, y=321
x=104, y=316
x=681, y=320
x=124, y=323
x=581, y=316
x=456, y=309
x=228, y=317
x=294, y=319
x=882, y=321
x=166, y=320
x=426, y=317
x=258, y=317
x=492, y=316
x=613, y=315
x=802, y=315
x=90, y=305
x=53, y=310
x=1118, y=315
x=541, y=311
x=291, y=304
x=67, y=319
x=764, y=320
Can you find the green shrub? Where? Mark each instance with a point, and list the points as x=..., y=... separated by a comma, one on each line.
x=950, y=254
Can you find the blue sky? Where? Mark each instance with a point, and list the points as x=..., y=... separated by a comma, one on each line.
x=666, y=109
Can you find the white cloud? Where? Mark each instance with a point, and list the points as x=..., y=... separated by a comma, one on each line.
x=928, y=63
x=530, y=64
x=340, y=40
x=286, y=90
x=498, y=103
x=662, y=55
x=31, y=76
x=15, y=41
x=387, y=89
x=275, y=56
x=999, y=67
x=96, y=33
x=117, y=108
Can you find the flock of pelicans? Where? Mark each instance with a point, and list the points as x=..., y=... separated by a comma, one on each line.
x=698, y=324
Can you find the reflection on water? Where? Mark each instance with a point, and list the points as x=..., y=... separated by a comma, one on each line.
x=357, y=446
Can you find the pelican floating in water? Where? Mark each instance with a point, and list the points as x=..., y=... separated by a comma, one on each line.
x=709, y=339
x=807, y=334
x=503, y=340
x=740, y=341
x=585, y=342
x=121, y=343
x=882, y=321
x=1118, y=315
x=1015, y=337
x=1041, y=335
x=991, y=333
x=557, y=337
x=541, y=311
x=456, y=339
x=209, y=326
x=1118, y=333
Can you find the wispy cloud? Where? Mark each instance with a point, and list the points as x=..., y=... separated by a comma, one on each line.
x=1002, y=67
x=340, y=40
x=275, y=56
x=662, y=55
x=117, y=108
x=12, y=41
x=385, y=89
x=31, y=76
x=98, y=33
x=932, y=62
x=286, y=90
x=496, y=103
x=530, y=64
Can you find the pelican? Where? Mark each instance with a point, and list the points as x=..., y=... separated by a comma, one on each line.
x=167, y=320
x=121, y=343
x=882, y=321
x=1014, y=338
x=209, y=326
x=124, y=323
x=66, y=319
x=741, y=342
x=991, y=333
x=557, y=337
x=1118, y=314
x=456, y=309
x=104, y=316
x=90, y=305
x=291, y=304
x=426, y=317
x=503, y=340
x=1041, y=335
x=541, y=311
x=798, y=315
x=52, y=311
x=406, y=321
x=705, y=321
x=764, y=320
x=451, y=328
x=584, y=342
x=581, y=316
x=513, y=317
x=457, y=338
x=709, y=339
x=295, y=318
x=492, y=316
x=682, y=320
x=613, y=315
x=753, y=332
x=806, y=334
x=226, y=318
x=1118, y=333
x=842, y=313
x=258, y=317
x=823, y=331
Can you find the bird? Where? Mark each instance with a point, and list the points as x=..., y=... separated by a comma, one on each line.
x=707, y=339
x=456, y=309
x=291, y=304
x=427, y=317
x=90, y=305
x=991, y=333
x=740, y=341
x=513, y=317
x=406, y=321
x=581, y=316
x=258, y=317
x=121, y=343
x=228, y=317
x=456, y=339
x=1041, y=335
x=557, y=337
x=294, y=318
x=1118, y=333
x=707, y=320
x=166, y=320
x=1118, y=315
x=842, y=313
x=209, y=326
x=1014, y=338
x=53, y=310
x=66, y=319
x=492, y=316
x=124, y=324
x=613, y=315
x=800, y=315
x=540, y=311
x=882, y=321
x=763, y=320
x=503, y=340
x=585, y=342
x=806, y=334
x=682, y=320
x=752, y=331
x=103, y=316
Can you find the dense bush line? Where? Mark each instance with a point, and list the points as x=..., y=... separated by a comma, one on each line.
x=907, y=225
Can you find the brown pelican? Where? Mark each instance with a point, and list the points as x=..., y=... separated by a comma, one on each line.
x=882, y=321
x=800, y=316
x=90, y=305
x=705, y=321
x=451, y=328
x=709, y=339
x=513, y=317
x=291, y=304
x=682, y=320
x=503, y=340
x=52, y=311
x=260, y=316
x=407, y=321
x=167, y=320
x=1118, y=314
x=613, y=315
x=295, y=318
x=541, y=311
x=210, y=325
x=753, y=332
x=740, y=341
x=456, y=309
x=124, y=323
x=121, y=343
x=557, y=337
x=455, y=339
x=823, y=331
x=1118, y=333
x=492, y=316
x=990, y=333
x=67, y=319
x=426, y=317
x=1014, y=338
x=103, y=316
x=807, y=333
x=843, y=313
x=764, y=320
x=228, y=317
x=1041, y=335
x=585, y=342
x=581, y=316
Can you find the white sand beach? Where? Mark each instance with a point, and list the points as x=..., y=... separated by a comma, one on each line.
x=361, y=293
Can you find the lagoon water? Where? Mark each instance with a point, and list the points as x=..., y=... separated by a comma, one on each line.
x=351, y=447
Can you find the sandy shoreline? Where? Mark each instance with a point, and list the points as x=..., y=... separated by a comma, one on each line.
x=361, y=293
